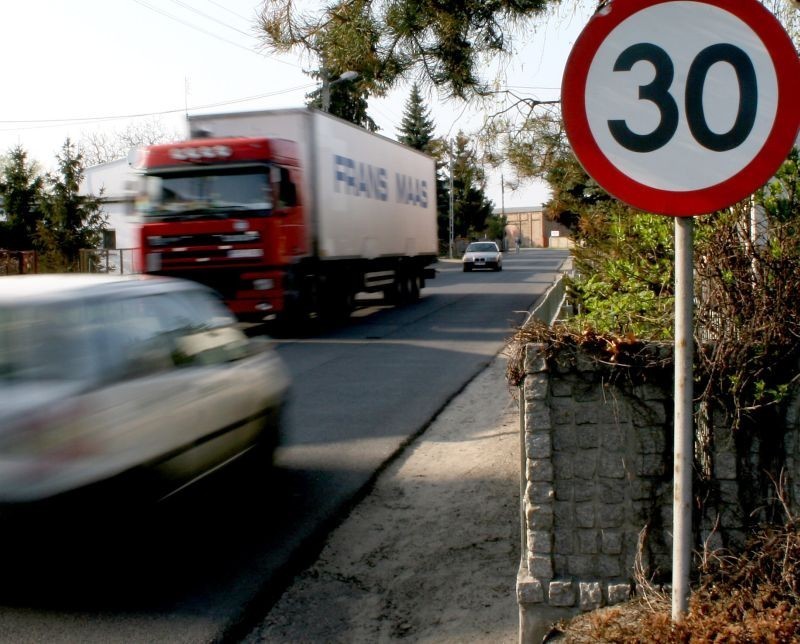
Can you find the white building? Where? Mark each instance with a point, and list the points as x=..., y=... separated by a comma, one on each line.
x=114, y=182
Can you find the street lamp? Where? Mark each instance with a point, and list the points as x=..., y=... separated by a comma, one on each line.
x=326, y=86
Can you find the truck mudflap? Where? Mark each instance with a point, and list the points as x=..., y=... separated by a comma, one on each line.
x=429, y=273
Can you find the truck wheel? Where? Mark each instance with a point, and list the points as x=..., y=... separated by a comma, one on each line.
x=413, y=287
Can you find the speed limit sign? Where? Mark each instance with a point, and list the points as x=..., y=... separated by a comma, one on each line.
x=682, y=107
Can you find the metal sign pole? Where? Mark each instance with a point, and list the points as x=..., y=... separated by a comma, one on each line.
x=683, y=420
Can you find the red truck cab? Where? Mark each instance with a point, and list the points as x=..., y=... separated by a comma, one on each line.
x=228, y=213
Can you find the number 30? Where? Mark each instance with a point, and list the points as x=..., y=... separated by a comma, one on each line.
x=658, y=93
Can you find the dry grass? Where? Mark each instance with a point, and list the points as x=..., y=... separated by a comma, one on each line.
x=754, y=597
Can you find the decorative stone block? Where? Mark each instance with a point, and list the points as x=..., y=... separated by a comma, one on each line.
x=585, y=515
x=539, y=445
x=651, y=439
x=611, y=466
x=563, y=512
x=587, y=392
x=610, y=516
x=591, y=595
x=536, y=387
x=540, y=469
x=586, y=464
x=564, y=541
x=535, y=358
x=588, y=436
x=618, y=593
x=588, y=542
x=560, y=388
x=537, y=417
x=561, y=593
x=586, y=413
x=585, y=491
x=530, y=591
x=611, y=542
x=563, y=466
x=612, y=490
x=564, y=438
x=539, y=517
x=540, y=566
x=609, y=566
x=539, y=492
x=650, y=465
x=612, y=437
x=540, y=541
x=581, y=566
x=561, y=414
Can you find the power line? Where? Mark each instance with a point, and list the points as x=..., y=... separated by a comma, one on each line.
x=180, y=3
x=146, y=5
x=59, y=122
x=231, y=11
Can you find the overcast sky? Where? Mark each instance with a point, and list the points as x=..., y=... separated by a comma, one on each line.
x=76, y=66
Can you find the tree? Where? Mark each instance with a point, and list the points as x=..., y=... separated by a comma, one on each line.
x=70, y=221
x=21, y=188
x=416, y=126
x=471, y=208
x=442, y=42
x=417, y=131
x=101, y=147
x=348, y=100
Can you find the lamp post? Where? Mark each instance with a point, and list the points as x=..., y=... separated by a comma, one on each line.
x=326, y=86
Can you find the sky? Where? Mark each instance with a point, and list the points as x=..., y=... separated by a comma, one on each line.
x=73, y=67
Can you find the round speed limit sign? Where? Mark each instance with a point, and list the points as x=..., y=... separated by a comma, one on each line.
x=682, y=107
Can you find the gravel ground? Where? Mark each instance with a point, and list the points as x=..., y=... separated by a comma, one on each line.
x=431, y=554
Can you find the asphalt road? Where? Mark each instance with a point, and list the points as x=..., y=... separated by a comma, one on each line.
x=206, y=565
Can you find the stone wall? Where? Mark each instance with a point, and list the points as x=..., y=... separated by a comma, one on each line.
x=597, y=500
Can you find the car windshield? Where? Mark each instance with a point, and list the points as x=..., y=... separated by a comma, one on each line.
x=214, y=192
x=482, y=247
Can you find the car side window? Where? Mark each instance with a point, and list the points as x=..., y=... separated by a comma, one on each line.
x=200, y=330
x=131, y=339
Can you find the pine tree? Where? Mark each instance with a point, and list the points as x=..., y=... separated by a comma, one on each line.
x=471, y=208
x=21, y=189
x=71, y=221
x=417, y=130
x=348, y=101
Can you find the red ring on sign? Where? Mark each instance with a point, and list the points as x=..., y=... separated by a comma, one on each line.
x=691, y=202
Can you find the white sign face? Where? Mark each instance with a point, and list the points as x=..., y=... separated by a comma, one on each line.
x=682, y=106
x=677, y=34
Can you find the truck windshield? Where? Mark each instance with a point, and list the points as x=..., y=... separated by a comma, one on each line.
x=189, y=195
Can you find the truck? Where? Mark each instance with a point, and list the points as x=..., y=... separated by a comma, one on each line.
x=288, y=214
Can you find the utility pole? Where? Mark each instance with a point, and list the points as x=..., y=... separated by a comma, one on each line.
x=450, y=154
x=326, y=86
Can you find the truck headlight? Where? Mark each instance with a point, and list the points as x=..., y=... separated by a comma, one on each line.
x=263, y=284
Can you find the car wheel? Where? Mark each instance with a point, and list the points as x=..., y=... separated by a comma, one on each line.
x=467, y=268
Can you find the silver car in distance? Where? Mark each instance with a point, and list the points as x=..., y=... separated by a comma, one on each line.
x=482, y=254
x=139, y=384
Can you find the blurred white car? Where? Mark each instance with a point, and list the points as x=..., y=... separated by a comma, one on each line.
x=482, y=254
x=131, y=380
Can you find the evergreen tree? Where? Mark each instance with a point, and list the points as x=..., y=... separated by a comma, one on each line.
x=471, y=208
x=348, y=101
x=21, y=189
x=444, y=42
x=417, y=131
x=416, y=128
x=71, y=221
